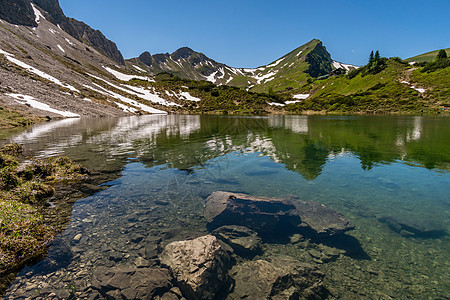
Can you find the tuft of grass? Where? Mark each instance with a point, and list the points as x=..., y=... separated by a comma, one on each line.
x=22, y=191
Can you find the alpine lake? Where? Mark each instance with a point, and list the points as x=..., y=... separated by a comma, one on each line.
x=389, y=175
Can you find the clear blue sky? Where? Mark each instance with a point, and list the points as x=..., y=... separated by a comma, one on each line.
x=251, y=33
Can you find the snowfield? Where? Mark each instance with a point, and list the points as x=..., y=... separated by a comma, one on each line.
x=125, y=77
x=37, y=14
x=301, y=96
x=31, y=101
x=31, y=69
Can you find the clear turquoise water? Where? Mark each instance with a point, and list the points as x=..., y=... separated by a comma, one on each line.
x=366, y=168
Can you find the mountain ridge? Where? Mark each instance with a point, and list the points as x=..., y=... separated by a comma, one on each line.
x=313, y=60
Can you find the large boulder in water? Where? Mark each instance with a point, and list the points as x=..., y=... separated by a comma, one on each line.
x=283, y=278
x=200, y=267
x=262, y=214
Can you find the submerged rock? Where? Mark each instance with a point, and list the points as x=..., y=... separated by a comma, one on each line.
x=200, y=267
x=243, y=240
x=129, y=283
x=410, y=228
x=274, y=215
x=283, y=278
x=262, y=214
x=322, y=220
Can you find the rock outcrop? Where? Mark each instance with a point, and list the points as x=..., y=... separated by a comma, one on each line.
x=200, y=267
x=18, y=12
x=261, y=214
x=283, y=278
x=146, y=58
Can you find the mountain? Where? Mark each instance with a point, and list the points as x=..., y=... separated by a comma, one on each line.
x=52, y=66
x=21, y=12
x=291, y=70
x=426, y=57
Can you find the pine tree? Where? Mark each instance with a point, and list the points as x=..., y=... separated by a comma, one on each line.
x=371, y=57
x=441, y=54
x=377, y=56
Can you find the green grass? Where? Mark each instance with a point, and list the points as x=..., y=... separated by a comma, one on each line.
x=9, y=119
x=381, y=92
x=426, y=57
x=22, y=192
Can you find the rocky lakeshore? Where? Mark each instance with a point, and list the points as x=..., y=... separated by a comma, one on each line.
x=225, y=260
x=36, y=198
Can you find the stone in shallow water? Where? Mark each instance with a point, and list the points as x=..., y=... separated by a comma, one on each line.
x=242, y=239
x=282, y=278
x=132, y=283
x=322, y=220
x=200, y=267
x=410, y=228
x=262, y=214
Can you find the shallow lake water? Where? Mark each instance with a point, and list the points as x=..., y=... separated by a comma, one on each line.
x=389, y=175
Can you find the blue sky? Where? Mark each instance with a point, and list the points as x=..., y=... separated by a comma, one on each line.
x=251, y=33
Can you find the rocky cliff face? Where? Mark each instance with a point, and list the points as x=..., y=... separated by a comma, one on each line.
x=17, y=12
x=20, y=12
x=95, y=38
x=320, y=62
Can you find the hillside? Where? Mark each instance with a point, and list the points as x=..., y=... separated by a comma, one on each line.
x=398, y=88
x=426, y=57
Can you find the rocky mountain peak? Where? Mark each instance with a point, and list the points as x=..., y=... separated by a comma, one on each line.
x=319, y=59
x=20, y=12
x=183, y=52
x=146, y=58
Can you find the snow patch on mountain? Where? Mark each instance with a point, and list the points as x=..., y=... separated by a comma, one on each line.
x=275, y=63
x=126, y=77
x=139, y=69
x=32, y=102
x=188, y=96
x=31, y=69
x=301, y=96
x=420, y=90
x=37, y=14
x=61, y=48
x=346, y=67
x=69, y=42
x=265, y=78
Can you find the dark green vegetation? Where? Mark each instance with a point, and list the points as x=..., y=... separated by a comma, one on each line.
x=10, y=119
x=23, y=190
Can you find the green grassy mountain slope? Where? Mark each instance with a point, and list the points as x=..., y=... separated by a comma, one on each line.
x=399, y=87
x=426, y=57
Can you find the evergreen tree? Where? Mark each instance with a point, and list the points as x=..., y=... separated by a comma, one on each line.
x=371, y=57
x=441, y=54
x=377, y=56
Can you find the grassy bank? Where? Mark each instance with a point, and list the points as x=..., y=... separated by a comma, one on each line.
x=23, y=190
